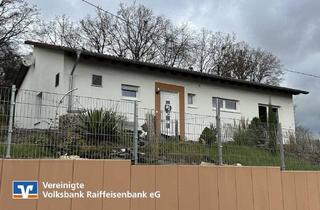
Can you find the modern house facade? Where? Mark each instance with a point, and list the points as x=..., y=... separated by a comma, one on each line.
x=163, y=89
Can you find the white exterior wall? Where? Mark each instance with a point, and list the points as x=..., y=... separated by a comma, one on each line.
x=40, y=78
x=49, y=62
x=42, y=74
x=114, y=76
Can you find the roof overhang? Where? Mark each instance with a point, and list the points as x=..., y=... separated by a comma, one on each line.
x=180, y=71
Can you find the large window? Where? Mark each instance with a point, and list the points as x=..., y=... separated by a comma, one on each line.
x=227, y=104
x=96, y=80
x=129, y=91
x=264, y=113
x=191, y=98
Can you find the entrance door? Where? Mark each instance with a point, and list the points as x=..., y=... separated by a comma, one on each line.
x=169, y=108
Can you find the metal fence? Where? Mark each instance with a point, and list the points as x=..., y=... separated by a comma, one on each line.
x=49, y=125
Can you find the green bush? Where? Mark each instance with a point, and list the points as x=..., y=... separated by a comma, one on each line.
x=252, y=134
x=101, y=126
x=209, y=135
x=258, y=131
x=242, y=135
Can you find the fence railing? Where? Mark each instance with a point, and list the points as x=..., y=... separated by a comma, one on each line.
x=38, y=124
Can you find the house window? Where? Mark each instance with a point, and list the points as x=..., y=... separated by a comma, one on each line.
x=263, y=116
x=264, y=113
x=227, y=104
x=276, y=115
x=214, y=102
x=129, y=91
x=96, y=80
x=191, y=98
x=57, y=80
x=230, y=104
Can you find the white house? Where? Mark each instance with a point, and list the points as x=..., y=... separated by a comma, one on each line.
x=57, y=69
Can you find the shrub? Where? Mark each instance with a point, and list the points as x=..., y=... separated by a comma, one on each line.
x=101, y=125
x=242, y=135
x=250, y=134
x=209, y=135
x=258, y=131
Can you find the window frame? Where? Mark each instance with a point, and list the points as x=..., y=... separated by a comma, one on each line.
x=92, y=79
x=230, y=100
x=266, y=106
x=129, y=88
x=223, y=104
x=193, y=99
x=215, y=99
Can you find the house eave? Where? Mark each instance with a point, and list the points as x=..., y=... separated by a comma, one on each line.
x=180, y=71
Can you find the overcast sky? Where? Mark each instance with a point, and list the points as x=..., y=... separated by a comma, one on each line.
x=289, y=29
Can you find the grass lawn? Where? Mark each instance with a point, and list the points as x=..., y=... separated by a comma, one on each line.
x=25, y=151
x=232, y=154
x=181, y=153
x=252, y=156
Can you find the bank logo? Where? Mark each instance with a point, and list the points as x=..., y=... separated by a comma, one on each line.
x=25, y=189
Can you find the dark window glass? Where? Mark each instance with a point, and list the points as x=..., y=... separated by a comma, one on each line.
x=231, y=104
x=129, y=93
x=275, y=111
x=57, y=80
x=96, y=80
x=263, y=114
x=214, y=102
x=191, y=98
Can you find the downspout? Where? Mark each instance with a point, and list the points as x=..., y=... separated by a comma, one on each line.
x=78, y=52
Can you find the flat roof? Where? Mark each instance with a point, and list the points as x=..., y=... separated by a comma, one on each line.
x=169, y=69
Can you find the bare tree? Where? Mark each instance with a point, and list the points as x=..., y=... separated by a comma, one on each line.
x=138, y=31
x=239, y=63
x=267, y=67
x=16, y=17
x=175, y=46
x=220, y=54
x=59, y=31
x=10, y=62
x=254, y=65
x=212, y=52
x=204, y=51
x=97, y=32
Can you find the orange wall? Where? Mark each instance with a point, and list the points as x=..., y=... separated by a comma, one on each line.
x=182, y=187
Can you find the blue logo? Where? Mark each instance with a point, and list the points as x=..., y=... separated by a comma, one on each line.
x=25, y=189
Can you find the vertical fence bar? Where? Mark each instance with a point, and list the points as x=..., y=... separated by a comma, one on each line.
x=10, y=126
x=135, y=132
x=219, y=131
x=280, y=140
